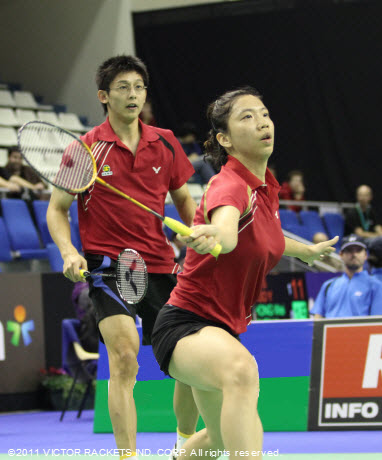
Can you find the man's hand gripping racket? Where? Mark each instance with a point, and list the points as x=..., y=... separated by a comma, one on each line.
x=130, y=275
x=62, y=159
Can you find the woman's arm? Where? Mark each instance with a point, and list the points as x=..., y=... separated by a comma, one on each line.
x=223, y=229
x=309, y=253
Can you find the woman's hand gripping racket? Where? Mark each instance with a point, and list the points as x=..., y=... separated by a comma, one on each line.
x=130, y=275
x=62, y=159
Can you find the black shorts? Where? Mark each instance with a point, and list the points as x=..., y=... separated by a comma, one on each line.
x=173, y=324
x=107, y=301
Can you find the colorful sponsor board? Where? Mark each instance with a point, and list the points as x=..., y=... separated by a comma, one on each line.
x=346, y=376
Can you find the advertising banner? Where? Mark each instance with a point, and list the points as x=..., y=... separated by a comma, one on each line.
x=346, y=375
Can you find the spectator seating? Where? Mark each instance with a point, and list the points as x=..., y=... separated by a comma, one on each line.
x=196, y=191
x=312, y=222
x=74, y=228
x=170, y=211
x=288, y=217
x=306, y=223
x=49, y=117
x=8, y=136
x=335, y=225
x=6, y=98
x=21, y=230
x=8, y=117
x=70, y=121
x=54, y=256
x=3, y=157
x=25, y=100
x=25, y=115
x=40, y=208
x=5, y=246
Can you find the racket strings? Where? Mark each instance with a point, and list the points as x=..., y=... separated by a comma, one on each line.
x=56, y=155
x=131, y=276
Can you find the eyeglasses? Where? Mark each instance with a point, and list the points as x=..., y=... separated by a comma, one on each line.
x=126, y=89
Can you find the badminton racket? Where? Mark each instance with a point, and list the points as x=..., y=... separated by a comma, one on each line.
x=130, y=275
x=65, y=161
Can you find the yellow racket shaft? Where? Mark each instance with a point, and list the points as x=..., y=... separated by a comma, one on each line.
x=183, y=230
x=175, y=225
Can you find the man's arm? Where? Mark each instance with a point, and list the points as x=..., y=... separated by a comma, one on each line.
x=184, y=203
x=11, y=186
x=26, y=184
x=59, y=228
x=364, y=234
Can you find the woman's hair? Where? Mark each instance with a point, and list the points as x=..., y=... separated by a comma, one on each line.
x=218, y=114
x=109, y=69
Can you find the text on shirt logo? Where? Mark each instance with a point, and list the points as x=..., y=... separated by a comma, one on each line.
x=277, y=214
x=156, y=169
x=106, y=171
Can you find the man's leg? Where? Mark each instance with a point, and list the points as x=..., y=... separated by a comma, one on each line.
x=122, y=343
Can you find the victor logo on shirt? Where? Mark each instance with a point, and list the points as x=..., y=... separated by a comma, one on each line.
x=156, y=169
x=106, y=171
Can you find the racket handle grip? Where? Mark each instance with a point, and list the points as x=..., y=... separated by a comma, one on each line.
x=183, y=230
x=84, y=273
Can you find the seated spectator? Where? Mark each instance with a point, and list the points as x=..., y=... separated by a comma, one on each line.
x=375, y=257
x=187, y=136
x=84, y=309
x=355, y=293
x=147, y=114
x=5, y=183
x=320, y=237
x=293, y=189
x=362, y=220
x=21, y=175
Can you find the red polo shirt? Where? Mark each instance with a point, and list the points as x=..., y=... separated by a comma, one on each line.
x=109, y=223
x=224, y=290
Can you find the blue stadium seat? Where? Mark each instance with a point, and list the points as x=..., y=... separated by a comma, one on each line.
x=55, y=259
x=40, y=208
x=311, y=220
x=22, y=233
x=335, y=225
x=288, y=217
x=74, y=228
x=170, y=211
x=5, y=246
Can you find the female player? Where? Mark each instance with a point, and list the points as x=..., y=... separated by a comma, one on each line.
x=195, y=338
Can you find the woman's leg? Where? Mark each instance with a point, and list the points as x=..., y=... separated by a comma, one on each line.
x=212, y=360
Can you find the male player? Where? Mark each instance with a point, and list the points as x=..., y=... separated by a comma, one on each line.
x=146, y=163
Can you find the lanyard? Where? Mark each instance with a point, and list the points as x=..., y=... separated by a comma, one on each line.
x=365, y=222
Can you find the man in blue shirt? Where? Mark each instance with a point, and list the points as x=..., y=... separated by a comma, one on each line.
x=375, y=257
x=355, y=293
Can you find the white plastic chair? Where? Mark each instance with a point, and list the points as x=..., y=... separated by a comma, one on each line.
x=49, y=117
x=3, y=157
x=6, y=98
x=8, y=137
x=70, y=121
x=25, y=115
x=8, y=117
x=25, y=99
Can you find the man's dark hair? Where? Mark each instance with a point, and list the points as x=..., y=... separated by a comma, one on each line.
x=14, y=148
x=109, y=69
